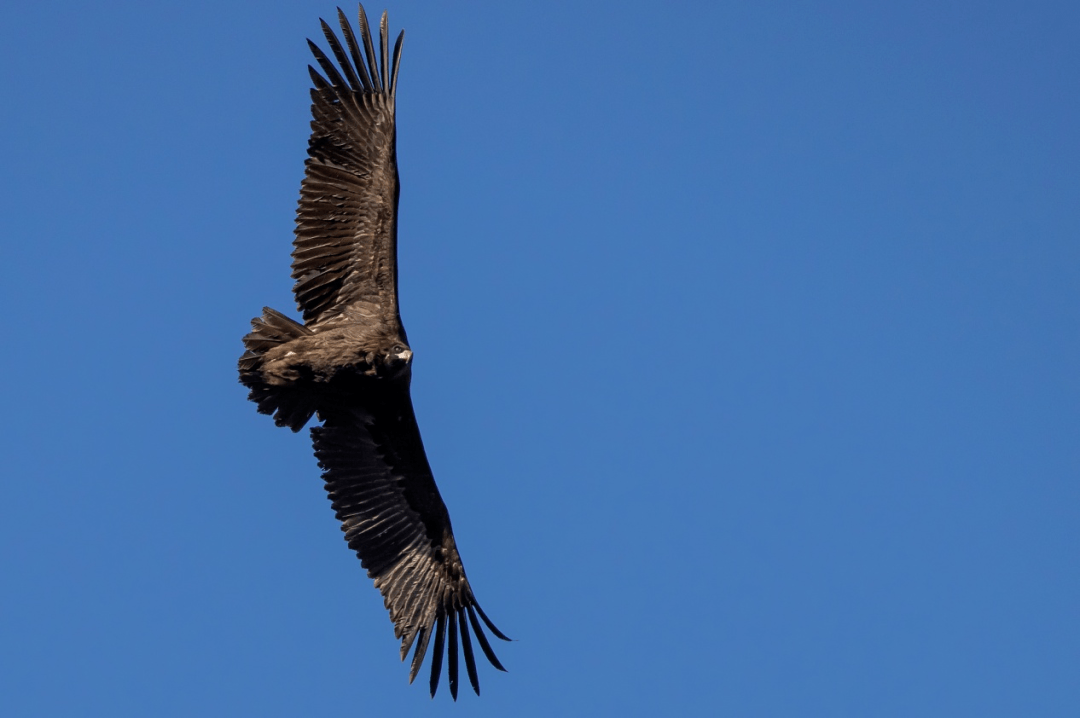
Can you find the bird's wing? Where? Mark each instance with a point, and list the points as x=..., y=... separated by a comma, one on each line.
x=345, y=251
x=382, y=490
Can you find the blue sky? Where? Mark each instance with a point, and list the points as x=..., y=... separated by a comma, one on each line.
x=747, y=342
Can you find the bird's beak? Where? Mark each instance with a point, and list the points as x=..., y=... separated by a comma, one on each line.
x=405, y=355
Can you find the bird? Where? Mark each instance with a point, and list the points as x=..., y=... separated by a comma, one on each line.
x=349, y=363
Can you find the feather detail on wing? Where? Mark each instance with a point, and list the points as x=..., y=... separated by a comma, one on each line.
x=345, y=251
x=382, y=490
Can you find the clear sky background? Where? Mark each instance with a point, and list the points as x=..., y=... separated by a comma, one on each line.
x=747, y=358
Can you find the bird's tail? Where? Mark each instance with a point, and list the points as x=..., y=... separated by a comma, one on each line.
x=290, y=406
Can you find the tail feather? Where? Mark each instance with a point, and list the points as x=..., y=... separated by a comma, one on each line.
x=290, y=406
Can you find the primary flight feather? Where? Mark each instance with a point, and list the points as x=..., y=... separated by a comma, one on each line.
x=350, y=363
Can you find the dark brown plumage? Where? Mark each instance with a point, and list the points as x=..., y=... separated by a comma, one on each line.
x=350, y=364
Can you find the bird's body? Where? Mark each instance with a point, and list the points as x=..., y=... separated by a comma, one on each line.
x=350, y=363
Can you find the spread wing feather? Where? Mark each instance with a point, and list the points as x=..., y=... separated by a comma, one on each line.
x=345, y=251
x=383, y=492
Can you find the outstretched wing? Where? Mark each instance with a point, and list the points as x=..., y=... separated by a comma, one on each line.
x=345, y=251
x=382, y=490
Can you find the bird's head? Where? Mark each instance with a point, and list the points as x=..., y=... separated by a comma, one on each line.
x=397, y=358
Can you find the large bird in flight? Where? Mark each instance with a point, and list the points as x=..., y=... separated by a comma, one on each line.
x=350, y=363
